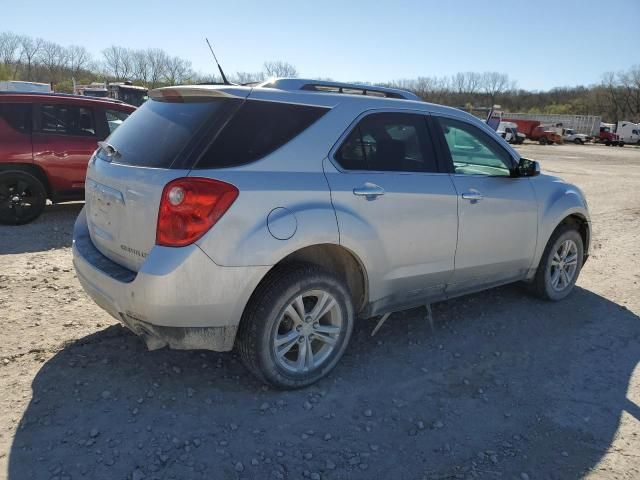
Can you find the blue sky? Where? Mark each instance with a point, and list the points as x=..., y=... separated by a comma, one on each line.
x=540, y=44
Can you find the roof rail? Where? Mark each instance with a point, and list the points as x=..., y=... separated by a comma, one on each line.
x=337, y=87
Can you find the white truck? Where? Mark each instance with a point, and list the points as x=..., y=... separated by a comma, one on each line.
x=628, y=132
x=509, y=131
x=570, y=135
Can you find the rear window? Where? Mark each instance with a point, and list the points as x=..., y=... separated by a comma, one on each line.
x=257, y=129
x=17, y=116
x=157, y=132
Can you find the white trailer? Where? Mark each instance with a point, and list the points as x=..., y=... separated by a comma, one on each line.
x=587, y=124
x=628, y=132
x=20, y=86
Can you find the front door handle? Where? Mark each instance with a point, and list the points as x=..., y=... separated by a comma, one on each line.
x=369, y=190
x=472, y=196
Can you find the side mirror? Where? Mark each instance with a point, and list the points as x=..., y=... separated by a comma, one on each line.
x=528, y=168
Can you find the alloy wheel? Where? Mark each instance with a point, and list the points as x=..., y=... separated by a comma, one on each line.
x=564, y=265
x=307, y=332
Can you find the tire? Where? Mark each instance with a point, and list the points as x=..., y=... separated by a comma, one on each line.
x=543, y=283
x=273, y=312
x=607, y=143
x=22, y=198
x=544, y=140
x=577, y=141
x=621, y=144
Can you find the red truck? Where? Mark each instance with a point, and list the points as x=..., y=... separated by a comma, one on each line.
x=608, y=137
x=46, y=141
x=524, y=126
x=534, y=131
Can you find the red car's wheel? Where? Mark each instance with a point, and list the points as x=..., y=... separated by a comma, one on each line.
x=22, y=198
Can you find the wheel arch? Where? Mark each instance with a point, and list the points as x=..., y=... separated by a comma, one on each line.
x=576, y=218
x=581, y=223
x=559, y=203
x=334, y=258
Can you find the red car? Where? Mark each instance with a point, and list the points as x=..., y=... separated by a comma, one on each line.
x=46, y=141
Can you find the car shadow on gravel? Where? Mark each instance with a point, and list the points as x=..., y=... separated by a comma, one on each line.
x=53, y=229
x=503, y=385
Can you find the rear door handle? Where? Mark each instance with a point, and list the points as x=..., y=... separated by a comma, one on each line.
x=472, y=196
x=369, y=190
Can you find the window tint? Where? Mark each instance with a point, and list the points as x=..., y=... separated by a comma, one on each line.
x=257, y=129
x=388, y=142
x=159, y=130
x=67, y=120
x=473, y=152
x=115, y=118
x=17, y=115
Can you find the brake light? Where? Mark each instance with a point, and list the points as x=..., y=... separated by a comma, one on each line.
x=189, y=207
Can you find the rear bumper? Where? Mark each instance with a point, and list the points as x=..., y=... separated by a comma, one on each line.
x=179, y=298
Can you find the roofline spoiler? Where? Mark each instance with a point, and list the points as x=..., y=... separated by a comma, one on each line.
x=190, y=91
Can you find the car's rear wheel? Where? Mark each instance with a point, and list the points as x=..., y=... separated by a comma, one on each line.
x=296, y=326
x=22, y=198
x=543, y=140
x=577, y=141
x=560, y=264
x=621, y=144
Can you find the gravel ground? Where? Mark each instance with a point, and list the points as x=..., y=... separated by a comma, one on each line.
x=503, y=385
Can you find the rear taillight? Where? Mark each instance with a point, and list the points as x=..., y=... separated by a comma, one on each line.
x=190, y=207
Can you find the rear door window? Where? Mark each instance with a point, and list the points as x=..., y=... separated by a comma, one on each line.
x=257, y=129
x=67, y=120
x=17, y=116
x=389, y=141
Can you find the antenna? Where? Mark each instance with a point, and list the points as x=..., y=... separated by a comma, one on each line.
x=224, y=78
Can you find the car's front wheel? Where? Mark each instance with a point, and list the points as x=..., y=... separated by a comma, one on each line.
x=296, y=326
x=22, y=198
x=560, y=264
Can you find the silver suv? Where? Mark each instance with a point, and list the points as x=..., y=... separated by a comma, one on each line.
x=270, y=217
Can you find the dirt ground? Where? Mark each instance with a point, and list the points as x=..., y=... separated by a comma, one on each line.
x=504, y=386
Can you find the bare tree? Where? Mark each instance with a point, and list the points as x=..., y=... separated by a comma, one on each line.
x=466, y=83
x=78, y=58
x=630, y=85
x=9, y=48
x=29, y=49
x=157, y=60
x=177, y=70
x=494, y=83
x=113, y=58
x=248, y=77
x=54, y=58
x=279, y=68
x=140, y=66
